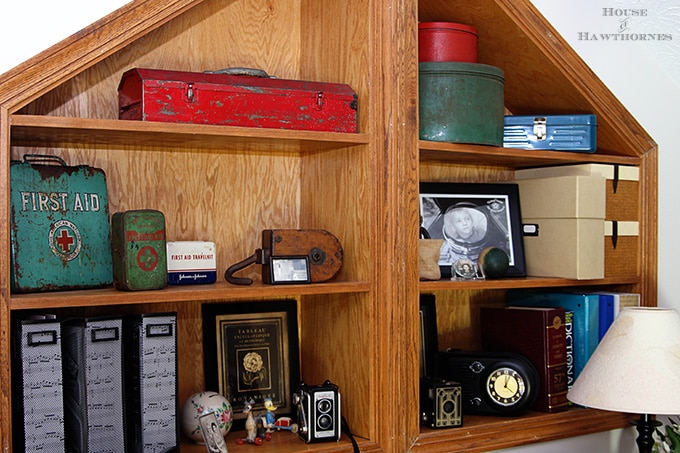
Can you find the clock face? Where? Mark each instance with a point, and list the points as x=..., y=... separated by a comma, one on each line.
x=506, y=386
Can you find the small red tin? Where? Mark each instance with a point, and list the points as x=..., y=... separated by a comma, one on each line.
x=447, y=42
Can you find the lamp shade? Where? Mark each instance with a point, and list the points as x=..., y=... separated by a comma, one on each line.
x=636, y=366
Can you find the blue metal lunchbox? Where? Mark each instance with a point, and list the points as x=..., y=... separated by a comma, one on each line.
x=576, y=133
x=60, y=236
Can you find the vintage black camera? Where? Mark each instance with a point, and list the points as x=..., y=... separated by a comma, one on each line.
x=318, y=409
x=440, y=403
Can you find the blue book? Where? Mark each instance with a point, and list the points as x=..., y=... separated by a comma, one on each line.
x=586, y=308
x=623, y=300
x=606, y=313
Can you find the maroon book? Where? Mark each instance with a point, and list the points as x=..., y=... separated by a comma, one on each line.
x=538, y=334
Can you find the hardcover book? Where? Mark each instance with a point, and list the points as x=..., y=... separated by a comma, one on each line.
x=538, y=334
x=606, y=313
x=569, y=334
x=622, y=300
x=586, y=308
x=626, y=300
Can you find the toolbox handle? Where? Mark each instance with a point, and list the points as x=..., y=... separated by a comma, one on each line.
x=253, y=72
x=44, y=158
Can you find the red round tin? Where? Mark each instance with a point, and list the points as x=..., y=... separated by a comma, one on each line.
x=447, y=42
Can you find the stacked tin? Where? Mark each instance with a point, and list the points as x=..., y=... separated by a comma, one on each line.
x=460, y=100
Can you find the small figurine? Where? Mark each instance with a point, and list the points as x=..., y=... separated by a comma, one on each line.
x=269, y=416
x=286, y=424
x=252, y=436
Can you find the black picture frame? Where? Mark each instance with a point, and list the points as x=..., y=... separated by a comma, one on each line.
x=494, y=210
x=251, y=351
x=429, y=340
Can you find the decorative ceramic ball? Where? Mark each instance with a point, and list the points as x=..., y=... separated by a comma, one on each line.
x=200, y=404
x=494, y=262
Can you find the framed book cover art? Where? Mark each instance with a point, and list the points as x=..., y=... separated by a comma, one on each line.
x=471, y=217
x=251, y=354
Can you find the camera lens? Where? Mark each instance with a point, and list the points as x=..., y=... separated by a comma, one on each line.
x=324, y=406
x=449, y=407
x=324, y=422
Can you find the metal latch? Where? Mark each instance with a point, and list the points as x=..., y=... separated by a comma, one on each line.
x=319, y=100
x=539, y=127
x=190, y=94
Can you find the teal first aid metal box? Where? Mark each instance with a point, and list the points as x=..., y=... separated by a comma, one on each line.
x=60, y=235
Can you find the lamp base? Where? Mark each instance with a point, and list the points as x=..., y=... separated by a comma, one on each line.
x=645, y=427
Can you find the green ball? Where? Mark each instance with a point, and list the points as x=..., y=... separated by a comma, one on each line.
x=494, y=262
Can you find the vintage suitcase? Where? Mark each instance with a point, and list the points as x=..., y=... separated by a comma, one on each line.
x=235, y=99
x=576, y=133
x=139, y=250
x=60, y=235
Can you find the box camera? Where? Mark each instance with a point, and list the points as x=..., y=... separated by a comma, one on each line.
x=318, y=410
x=440, y=403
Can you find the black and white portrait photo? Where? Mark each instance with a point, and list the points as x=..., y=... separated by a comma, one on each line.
x=470, y=218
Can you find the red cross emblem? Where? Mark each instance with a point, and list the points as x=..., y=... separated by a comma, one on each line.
x=147, y=258
x=64, y=240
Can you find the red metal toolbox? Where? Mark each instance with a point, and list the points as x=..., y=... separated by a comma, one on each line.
x=236, y=100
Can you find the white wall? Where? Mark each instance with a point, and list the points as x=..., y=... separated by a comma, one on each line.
x=644, y=76
x=31, y=26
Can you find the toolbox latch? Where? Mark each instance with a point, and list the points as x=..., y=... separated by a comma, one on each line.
x=319, y=100
x=539, y=127
x=190, y=93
